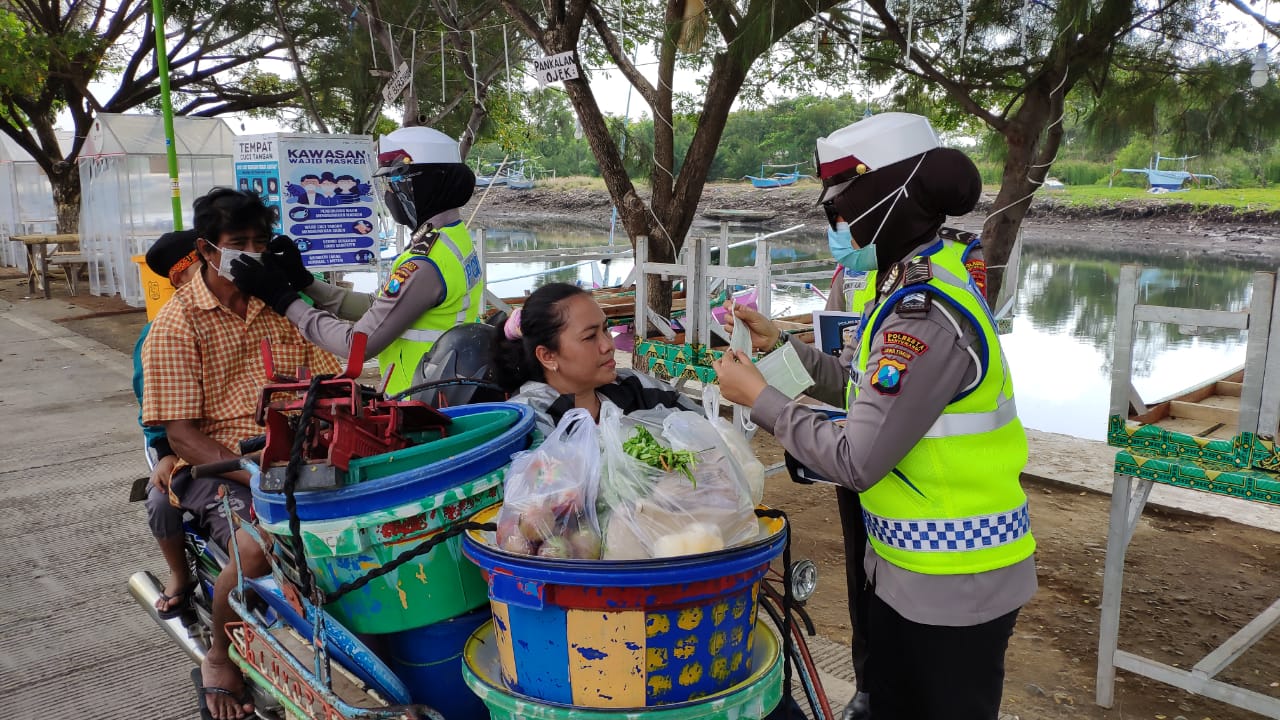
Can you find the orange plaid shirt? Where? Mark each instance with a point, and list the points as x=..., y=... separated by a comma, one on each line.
x=203, y=362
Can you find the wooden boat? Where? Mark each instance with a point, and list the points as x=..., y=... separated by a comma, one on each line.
x=516, y=174
x=776, y=179
x=1208, y=410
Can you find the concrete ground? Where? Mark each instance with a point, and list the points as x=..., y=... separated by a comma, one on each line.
x=73, y=641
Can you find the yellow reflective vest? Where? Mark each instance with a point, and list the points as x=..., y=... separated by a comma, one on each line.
x=455, y=256
x=954, y=504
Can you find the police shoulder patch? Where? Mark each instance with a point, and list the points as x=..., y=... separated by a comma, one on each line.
x=903, y=345
x=887, y=375
x=977, y=268
x=915, y=304
x=399, y=276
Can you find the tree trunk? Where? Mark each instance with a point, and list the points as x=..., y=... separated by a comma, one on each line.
x=1033, y=139
x=65, y=180
x=1017, y=189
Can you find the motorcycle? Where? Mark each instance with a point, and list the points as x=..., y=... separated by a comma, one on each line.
x=297, y=658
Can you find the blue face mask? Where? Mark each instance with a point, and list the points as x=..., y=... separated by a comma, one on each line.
x=840, y=241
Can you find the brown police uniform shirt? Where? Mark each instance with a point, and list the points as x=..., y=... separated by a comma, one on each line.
x=382, y=316
x=931, y=352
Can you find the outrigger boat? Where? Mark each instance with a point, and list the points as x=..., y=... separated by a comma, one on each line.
x=1171, y=179
x=776, y=179
x=514, y=174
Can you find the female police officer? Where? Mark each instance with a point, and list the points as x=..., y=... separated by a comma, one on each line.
x=932, y=442
x=434, y=285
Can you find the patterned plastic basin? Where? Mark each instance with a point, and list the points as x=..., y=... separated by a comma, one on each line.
x=432, y=587
x=753, y=698
x=624, y=634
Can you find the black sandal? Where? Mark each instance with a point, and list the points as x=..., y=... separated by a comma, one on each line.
x=184, y=601
x=245, y=697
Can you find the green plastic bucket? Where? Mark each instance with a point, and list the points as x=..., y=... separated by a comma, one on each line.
x=436, y=586
x=751, y=699
x=466, y=432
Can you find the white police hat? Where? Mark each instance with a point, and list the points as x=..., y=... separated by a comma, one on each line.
x=868, y=145
x=415, y=146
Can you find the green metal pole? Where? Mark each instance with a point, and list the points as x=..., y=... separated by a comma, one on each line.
x=166, y=107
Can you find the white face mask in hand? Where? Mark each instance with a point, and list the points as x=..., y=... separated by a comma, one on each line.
x=227, y=255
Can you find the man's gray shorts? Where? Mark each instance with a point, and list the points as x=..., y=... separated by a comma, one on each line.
x=199, y=497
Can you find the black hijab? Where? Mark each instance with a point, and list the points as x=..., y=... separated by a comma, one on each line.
x=947, y=184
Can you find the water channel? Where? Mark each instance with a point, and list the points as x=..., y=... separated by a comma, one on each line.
x=1060, y=345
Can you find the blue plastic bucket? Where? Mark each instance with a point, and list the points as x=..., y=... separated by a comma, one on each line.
x=638, y=633
x=400, y=488
x=753, y=698
x=347, y=533
x=429, y=662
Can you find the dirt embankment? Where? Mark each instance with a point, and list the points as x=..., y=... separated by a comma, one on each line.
x=1128, y=228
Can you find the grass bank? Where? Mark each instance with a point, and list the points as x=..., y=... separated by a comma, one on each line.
x=1093, y=196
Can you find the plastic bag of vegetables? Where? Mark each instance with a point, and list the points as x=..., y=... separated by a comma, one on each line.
x=549, y=505
x=670, y=490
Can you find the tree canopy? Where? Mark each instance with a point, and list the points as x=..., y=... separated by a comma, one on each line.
x=51, y=51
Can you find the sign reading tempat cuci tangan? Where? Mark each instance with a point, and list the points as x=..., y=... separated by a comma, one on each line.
x=322, y=187
x=556, y=68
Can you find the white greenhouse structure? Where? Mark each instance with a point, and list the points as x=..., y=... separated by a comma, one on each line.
x=125, y=192
x=26, y=199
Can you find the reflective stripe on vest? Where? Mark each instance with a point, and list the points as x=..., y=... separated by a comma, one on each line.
x=423, y=336
x=953, y=424
x=950, y=535
x=459, y=267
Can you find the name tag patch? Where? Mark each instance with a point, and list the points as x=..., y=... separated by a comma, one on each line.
x=471, y=266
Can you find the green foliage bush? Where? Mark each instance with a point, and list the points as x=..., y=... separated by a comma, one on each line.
x=1080, y=172
x=990, y=170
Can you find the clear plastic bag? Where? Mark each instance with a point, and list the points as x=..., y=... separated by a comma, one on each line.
x=653, y=512
x=737, y=442
x=549, y=504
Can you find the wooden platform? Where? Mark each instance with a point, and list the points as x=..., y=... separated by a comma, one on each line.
x=1217, y=437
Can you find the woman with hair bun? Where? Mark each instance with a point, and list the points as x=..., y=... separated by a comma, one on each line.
x=556, y=353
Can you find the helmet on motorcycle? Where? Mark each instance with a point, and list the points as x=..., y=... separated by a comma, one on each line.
x=421, y=174
x=462, y=353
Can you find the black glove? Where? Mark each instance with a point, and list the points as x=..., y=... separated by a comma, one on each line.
x=262, y=282
x=282, y=256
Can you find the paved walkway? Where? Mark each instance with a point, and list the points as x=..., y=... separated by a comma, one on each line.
x=72, y=640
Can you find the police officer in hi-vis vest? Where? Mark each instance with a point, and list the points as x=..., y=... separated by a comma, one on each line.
x=932, y=443
x=435, y=284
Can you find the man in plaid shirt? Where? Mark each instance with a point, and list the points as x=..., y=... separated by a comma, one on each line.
x=203, y=373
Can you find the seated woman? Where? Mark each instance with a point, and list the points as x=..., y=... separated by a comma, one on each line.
x=556, y=354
